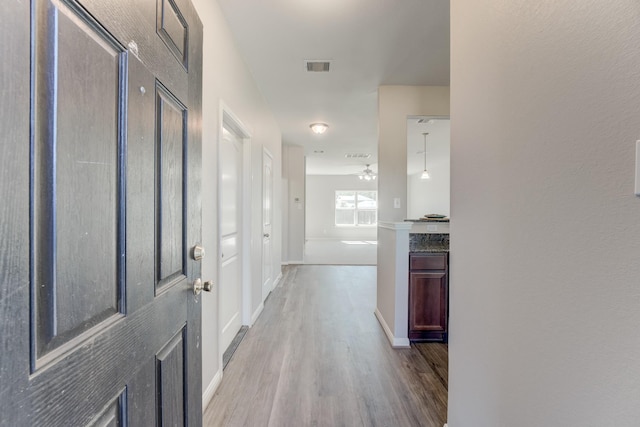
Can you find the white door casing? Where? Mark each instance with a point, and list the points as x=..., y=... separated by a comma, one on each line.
x=267, y=223
x=230, y=236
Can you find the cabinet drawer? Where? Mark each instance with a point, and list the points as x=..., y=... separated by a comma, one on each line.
x=427, y=262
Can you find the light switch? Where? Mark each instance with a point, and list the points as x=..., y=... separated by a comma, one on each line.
x=396, y=203
x=637, y=191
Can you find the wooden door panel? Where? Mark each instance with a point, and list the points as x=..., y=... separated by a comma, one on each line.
x=140, y=172
x=78, y=386
x=114, y=414
x=14, y=210
x=78, y=191
x=426, y=261
x=81, y=322
x=173, y=29
x=135, y=26
x=428, y=301
x=171, y=116
x=170, y=368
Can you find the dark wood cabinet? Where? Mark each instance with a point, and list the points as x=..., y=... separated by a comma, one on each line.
x=428, y=296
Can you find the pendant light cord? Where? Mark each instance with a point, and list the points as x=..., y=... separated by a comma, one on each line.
x=425, y=149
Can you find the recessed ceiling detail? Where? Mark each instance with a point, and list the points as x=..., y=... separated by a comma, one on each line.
x=318, y=66
x=357, y=156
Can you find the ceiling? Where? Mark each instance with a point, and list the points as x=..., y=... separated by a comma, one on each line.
x=368, y=42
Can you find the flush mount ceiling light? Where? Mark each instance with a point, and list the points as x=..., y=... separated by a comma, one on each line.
x=368, y=174
x=319, y=128
x=425, y=174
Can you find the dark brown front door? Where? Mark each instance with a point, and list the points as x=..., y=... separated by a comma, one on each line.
x=99, y=209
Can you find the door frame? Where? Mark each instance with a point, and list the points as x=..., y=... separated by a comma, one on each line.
x=232, y=122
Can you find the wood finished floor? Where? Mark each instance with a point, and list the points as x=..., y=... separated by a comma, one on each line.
x=317, y=356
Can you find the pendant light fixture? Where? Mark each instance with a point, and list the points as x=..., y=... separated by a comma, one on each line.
x=425, y=174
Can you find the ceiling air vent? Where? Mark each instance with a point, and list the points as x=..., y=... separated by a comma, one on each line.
x=318, y=66
x=357, y=156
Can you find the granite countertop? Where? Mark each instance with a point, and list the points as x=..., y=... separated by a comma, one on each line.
x=428, y=220
x=432, y=248
x=431, y=243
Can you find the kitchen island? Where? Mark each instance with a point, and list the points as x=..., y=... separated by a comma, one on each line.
x=396, y=240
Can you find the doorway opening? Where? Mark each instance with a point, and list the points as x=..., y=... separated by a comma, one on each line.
x=234, y=191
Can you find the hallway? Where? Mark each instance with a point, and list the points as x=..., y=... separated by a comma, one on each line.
x=318, y=357
x=341, y=252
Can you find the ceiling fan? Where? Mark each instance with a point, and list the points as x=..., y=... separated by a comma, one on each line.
x=367, y=174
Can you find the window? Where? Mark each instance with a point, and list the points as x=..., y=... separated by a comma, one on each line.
x=356, y=208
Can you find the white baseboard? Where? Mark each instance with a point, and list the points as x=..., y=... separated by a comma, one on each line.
x=277, y=281
x=395, y=342
x=296, y=262
x=211, y=389
x=325, y=239
x=257, y=313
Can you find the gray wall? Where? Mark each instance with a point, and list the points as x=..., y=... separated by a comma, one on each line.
x=545, y=243
x=295, y=202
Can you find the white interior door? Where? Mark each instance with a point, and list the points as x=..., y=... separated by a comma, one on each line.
x=267, y=219
x=230, y=191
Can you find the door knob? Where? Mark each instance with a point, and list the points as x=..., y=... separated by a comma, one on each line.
x=266, y=234
x=198, y=286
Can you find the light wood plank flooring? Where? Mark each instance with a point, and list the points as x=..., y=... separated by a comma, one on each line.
x=341, y=252
x=318, y=357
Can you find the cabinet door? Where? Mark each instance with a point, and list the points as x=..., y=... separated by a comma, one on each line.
x=428, y=305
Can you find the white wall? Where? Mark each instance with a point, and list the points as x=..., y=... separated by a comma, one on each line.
x=295, y=203
x=285, y=204
x=545, y=278
x=395, y=104
x=320, y=212
x=392, y=292
x=428, y=196
x=226, y=79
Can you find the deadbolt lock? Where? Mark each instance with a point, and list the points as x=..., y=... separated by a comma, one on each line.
x=197, y=252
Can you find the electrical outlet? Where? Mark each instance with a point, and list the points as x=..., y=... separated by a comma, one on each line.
x=396, y=203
